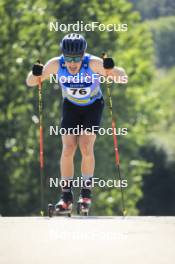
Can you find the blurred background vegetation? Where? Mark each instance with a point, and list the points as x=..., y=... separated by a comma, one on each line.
x=145, y=106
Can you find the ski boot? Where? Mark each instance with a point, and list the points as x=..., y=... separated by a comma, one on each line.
x=84, y=202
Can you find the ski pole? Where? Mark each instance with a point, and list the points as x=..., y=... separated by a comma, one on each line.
x=117, y=160
x=41, y=146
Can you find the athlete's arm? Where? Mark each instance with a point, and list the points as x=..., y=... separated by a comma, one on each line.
x=51, y=67
x=96, y=64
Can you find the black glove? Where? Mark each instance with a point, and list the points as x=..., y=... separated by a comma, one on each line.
x=108, y=63
x=37, y=69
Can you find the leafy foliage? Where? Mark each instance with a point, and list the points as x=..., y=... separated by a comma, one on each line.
x=155, y=8
x=163, y=31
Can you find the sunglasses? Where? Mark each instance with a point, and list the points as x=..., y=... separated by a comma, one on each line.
x=74, y=59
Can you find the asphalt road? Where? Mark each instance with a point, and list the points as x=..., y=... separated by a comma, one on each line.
x=137, y=240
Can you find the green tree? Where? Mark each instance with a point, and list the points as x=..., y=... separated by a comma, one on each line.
x=158, y=184
x=155, y=8
x=163, y=32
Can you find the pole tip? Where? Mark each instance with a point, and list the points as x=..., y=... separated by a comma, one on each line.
x=42, y=213
x=125, y=212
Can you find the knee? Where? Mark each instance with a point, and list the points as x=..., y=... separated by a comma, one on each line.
x=68, y=150
x=86, y=149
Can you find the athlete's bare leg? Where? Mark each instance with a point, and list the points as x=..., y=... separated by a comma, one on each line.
x=86, y=144
x=68, y=151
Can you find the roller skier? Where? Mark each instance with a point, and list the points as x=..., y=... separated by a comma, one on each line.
x=82, y=106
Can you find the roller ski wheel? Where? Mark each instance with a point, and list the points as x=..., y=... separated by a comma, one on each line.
x=50, y=210
x=83, y=206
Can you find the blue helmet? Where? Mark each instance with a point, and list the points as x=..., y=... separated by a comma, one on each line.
x=73, y=44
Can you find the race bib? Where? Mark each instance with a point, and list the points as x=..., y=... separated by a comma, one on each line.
x=78, y=92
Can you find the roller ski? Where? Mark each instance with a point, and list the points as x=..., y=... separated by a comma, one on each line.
x=83, y=206
x=63, y=207
x=84, y=202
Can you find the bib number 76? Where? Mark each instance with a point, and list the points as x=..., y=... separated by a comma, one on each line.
x=78, y=93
